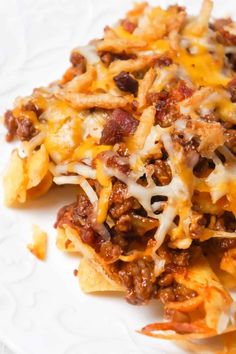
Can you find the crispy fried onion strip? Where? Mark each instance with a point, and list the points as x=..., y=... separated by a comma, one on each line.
x=131, y=65
x=82, y=82
x=101, y=100
x=216, y=301
x=147, y=118
x=200, y=24
x=119, y=45
x=145, y=86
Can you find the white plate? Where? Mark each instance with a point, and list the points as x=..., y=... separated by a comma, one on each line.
x=42, y=309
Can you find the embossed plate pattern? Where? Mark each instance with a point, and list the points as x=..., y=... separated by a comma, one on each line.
x=42, y=310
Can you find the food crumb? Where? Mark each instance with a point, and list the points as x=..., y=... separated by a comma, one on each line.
x=39, y=245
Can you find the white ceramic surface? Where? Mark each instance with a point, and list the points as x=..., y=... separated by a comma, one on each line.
x=42, y=309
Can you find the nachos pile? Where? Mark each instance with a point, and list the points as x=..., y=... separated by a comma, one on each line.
x=143, y=123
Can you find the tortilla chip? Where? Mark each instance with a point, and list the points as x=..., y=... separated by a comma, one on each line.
x=37, y=167
x=39, y=245
x=203, y=280
x=42, y=188
x=15, y=181
x=89, y=253
x=228, y=262
x=224, y=344
x=91, y=280
x=63, y=243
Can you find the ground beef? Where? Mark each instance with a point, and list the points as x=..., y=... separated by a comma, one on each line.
x=110, y=252
x=191, y=154
x=112, y=133
x=163, y=60
x=125, y=82
x=180, y=258
x=232, y=60
x=78, y=67
x=122, y=150
x=25, y=129
x=203, y=167
x=107, y=57
x=119, y=125
x=166, y=279
x=119, y=193
x=162, y=104
x=177, y=94
x=175, y=260
x=197, y=225
x=78, y=60
x=87, y=234
x=175, y=292
x=118, y=238
x=119, y=204
x=220, y=23
x=32, y=107
x=118, y=209
x=181, y=91
x=10, y=123
x=154, y=98
x=182, y=293
x=137, y=277
x=167, y=110
x=223, y=244
x=124, y=223
x=223, y=36
x=128, y=25
x=166, y=294
x=162, y=173
x=76, y=215
x=226, y=222
x=116, y=162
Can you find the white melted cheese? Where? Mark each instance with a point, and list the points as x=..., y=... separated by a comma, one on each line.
x=93, y=124
x=27, y=147
x=92, y=196
x=89, y=52
x=219, y=180
x=78, y=168
x=151, y=140
x=164, y=77
x=176, y=191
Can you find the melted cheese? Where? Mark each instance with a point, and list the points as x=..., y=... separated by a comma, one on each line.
x=88, y=150
x=104, y=80
x=222, y=182
x=92, y=196
x=202, y=68
x=105, y=182
x=160, y=46
x=177, y=192
x=122, y=33
x=89, y=52
x=93, y=125
x=62, y=139
x=102, y=177
x=103, y=203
